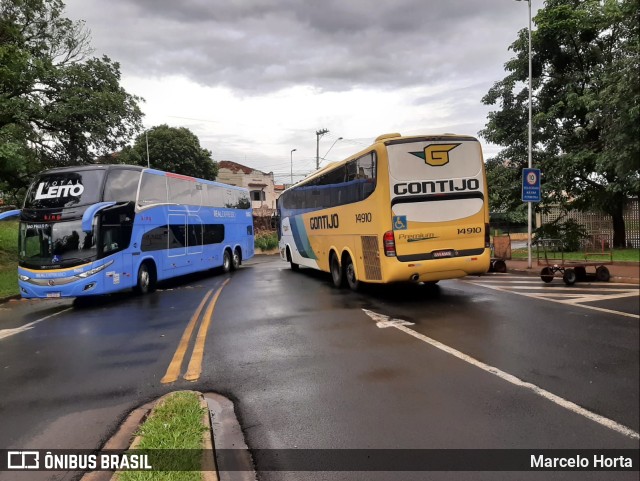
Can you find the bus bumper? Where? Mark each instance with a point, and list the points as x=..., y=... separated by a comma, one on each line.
x=73, y=282
x=438, y=269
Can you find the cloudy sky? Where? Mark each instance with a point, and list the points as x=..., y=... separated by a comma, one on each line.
x=254, y=79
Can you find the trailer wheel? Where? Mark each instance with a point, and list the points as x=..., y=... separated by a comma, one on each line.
x=602, y=274
x=546, y=274
x=569, y=277
x=581, y=274
x=500, y=266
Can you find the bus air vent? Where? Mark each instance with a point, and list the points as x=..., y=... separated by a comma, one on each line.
x=371, y=257
x=387, y=136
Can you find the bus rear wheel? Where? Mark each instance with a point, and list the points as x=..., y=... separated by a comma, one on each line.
x=226, y=261
x=236, y=260
x=336, y=272
x=350, y=274
x=146, y=282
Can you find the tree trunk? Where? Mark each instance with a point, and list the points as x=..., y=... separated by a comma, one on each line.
x=619, y=234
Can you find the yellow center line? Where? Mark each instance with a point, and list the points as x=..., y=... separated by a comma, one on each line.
x=173, y=371
x=195, y=365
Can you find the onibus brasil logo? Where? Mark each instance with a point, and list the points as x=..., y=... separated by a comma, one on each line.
x=436, y=155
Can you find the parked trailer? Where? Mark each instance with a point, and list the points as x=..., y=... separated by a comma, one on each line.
x=551, y=256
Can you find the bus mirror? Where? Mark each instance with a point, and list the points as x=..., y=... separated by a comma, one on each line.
x=89, y=214
x=9, y=214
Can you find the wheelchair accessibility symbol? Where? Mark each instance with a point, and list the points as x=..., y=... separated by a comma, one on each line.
x=399, y=222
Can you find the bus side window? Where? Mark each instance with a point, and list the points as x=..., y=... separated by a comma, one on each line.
x=121, y=186
x=153, y=189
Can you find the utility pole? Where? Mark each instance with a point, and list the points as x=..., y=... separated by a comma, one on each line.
x=319, y=133
x=146, y=138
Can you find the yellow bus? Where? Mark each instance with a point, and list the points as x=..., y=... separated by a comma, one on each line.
x=407, y=208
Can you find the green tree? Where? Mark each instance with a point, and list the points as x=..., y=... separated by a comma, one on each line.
x=174, y=149
x=58, y=105
x=586, y=105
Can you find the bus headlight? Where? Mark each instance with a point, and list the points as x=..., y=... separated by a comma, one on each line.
x=95, y=270
x=23, y=277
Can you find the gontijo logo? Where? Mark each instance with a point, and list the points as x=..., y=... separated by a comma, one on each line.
x=436, y=155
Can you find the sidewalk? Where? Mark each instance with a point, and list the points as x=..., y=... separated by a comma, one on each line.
x=620, y=271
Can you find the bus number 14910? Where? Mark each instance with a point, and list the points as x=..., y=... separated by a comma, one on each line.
x=364, y=217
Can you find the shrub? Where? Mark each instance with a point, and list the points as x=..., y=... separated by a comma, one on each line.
x=266, y=240
x=569, y=232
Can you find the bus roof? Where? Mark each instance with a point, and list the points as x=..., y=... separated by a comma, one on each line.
x=80, y=168
x=386, y=139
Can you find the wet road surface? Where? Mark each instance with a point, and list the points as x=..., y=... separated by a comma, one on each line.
x=307, y=367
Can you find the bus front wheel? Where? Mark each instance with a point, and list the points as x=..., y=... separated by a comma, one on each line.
x=350, y=273
x=294, y=266
x=336, y=272
x=146, y=281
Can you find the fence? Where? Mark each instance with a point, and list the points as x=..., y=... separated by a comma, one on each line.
x=601, y=225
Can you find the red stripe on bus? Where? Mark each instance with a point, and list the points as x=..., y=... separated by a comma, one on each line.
x=178, y=176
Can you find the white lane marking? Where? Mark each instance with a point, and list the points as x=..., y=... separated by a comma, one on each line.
x=10, y=332
x=545, y=297
x=383, y=321
x=606, y=422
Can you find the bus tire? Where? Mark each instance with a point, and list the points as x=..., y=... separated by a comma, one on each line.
x=350, y=274
x=294, y=266
x=146, y=282
x=236, y=260
x=336, y=271
x=226, y=261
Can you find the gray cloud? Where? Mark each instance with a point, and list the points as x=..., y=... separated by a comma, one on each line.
x=259, y=46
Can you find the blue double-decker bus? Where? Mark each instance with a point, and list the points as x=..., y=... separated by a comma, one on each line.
x=98, y=229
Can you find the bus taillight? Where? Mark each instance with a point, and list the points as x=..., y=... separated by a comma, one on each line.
x=389, y=244
x=487, y=236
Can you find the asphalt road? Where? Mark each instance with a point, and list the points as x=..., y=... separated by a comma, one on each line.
x=308, y=366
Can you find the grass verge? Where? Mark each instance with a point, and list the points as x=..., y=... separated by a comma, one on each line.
x=175, y=424
x=8, y=258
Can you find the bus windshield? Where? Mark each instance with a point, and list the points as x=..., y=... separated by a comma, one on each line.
x=58, y=244
x=65, y=189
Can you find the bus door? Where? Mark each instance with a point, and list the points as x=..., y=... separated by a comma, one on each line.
x=177, y=240
x=114, y=236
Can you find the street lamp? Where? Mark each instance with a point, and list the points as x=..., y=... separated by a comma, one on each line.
x=530, y=143
x=292, y=151
x=334, y=143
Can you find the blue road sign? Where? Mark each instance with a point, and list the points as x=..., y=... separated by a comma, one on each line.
x=530, y=185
